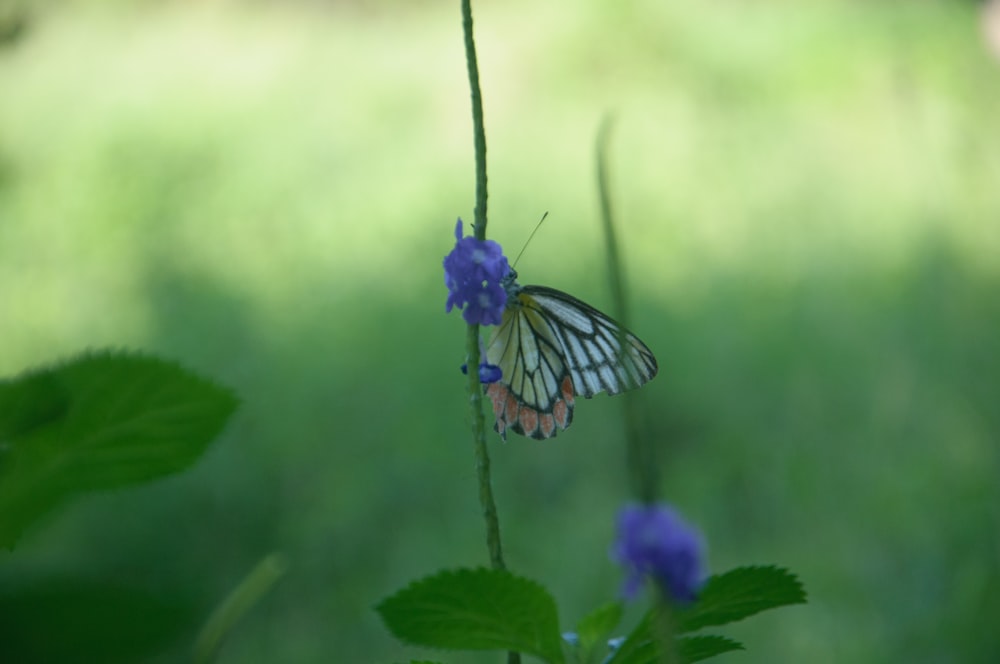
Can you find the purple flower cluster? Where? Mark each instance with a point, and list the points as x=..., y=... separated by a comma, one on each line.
x=472, y=273
x=654, y=542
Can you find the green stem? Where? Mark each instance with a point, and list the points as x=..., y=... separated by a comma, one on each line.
x=664, y=629
x=486, y=501
x=475, y=388
x=478, y=127
x=607, y=219
x=640, y=457
x=236, y=605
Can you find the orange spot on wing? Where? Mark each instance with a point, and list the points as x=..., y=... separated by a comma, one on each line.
x=528, y=417
x=560, y=413
x=567, y=390
x=547, y=424
x=512, y=405
x=496, y=393
x=499, y=394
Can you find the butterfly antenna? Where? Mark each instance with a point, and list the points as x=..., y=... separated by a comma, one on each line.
x=537, y=226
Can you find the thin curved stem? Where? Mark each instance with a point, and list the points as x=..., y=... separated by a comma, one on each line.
x=486, y=501
x=640, y=454
x=478, y=126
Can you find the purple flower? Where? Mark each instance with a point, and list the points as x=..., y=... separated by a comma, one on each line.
x=654, y=542
x=472, y=273
x=488, y=373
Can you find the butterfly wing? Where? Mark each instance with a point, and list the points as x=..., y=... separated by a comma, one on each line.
x=551, y=346
x=592, y=345
x=535, y=395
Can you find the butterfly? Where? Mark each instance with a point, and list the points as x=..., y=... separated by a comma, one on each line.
x=550, y=348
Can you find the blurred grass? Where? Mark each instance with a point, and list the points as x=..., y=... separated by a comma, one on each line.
x=809, y=217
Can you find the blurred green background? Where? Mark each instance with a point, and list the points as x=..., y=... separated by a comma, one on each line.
x=808, y=195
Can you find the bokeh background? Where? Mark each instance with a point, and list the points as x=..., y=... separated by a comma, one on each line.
x=808, y=197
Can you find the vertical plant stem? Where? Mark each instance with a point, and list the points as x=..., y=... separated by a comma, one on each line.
x=475, y=388
x=664, y=627
x=607, y=221
x=640, y=456
x=478, y=126
x=486, y=501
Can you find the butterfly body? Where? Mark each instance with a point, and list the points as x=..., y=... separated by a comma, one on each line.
x=551, y=347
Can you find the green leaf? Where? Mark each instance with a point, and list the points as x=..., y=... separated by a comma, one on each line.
x=476, y=609
x=102, y=420
x=641, y=651
x=28, y=403
x=740, y=593
x=697, y=648
x=594, y=629
x=732, y=596
x=639, y=647
x=642, y=647
x=74, y=621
